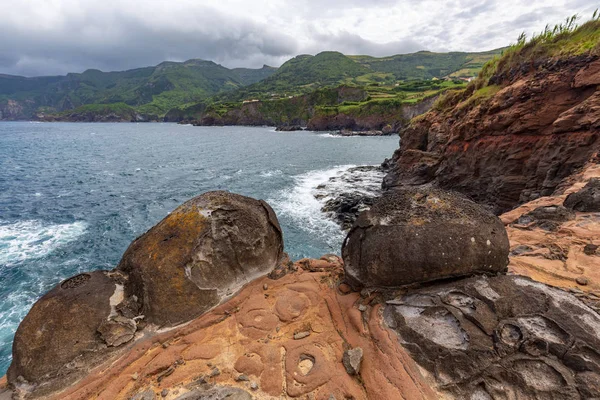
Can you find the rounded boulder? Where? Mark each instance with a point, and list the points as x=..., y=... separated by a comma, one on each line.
x=58, y=340
x=201, y=254
x=413, y=235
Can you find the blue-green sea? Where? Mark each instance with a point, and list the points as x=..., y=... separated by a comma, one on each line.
x=73, y=196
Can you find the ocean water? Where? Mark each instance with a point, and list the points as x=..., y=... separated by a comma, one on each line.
x=73, y=196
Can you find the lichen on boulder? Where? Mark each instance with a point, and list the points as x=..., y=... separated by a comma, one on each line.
x=200, y=254
x=413, y=235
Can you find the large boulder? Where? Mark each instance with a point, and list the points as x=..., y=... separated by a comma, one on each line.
x=201, y=254
x=587, y=199
x=504, y=337
x=414, y=235
x=59, y=339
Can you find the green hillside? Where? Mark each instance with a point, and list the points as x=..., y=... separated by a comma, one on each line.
x=428, y=65
x=151, y=90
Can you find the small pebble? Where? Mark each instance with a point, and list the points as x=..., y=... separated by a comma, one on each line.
x=582, y=280
x=301, y=335
x=362, y=307
x=242, y=378
x=134, y=376
x=165, y=345
x=265, y=286
x=164, y=392
x=254, y=386
x=215, y=372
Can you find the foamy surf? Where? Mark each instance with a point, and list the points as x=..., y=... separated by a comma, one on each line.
x=33, y=239
x=304, y=209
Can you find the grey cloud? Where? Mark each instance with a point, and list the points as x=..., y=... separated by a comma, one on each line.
x=123, y=42
x=74, y=35
x=350, y=43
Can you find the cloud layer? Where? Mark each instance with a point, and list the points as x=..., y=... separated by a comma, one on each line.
x=42, y=37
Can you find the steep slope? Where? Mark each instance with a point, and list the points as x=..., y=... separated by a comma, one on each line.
x=531, y=119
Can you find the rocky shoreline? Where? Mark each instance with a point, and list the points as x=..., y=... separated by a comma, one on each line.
x=490, y=290
x=334, y=320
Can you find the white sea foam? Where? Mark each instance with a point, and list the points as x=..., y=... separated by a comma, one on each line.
x=303, y=202
x=300, y=204
x=34, y=239
x=268, y=174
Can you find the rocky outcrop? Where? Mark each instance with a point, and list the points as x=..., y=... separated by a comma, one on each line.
x=301, y=331
x=201, y=254
x=345, y=196
x=502, y=337
x=586, y=199
x=510, y=142
x=415, y=235
x=375, y=118
x=566, y=255
x=278, y=338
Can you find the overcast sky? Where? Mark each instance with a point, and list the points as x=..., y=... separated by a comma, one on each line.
x=44, y=37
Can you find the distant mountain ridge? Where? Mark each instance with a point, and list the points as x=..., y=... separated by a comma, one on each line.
x=150, y=92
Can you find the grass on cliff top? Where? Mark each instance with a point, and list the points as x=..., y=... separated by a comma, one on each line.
x=567, y=39
x=563, y=40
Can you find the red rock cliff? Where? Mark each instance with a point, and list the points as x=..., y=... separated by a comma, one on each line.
x=511, y=141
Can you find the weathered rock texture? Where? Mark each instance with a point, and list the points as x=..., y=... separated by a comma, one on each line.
x=193, y=260
x=415, y=235
x=506, y=337
x=202, y=253
x=586, y=199
x=58, y=339
x=248, y=343
x=564, y=255
x=515, y=146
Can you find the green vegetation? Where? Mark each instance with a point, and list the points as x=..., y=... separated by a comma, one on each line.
x=567, y=39
x=151, y=90
x=180, y=90
x=563, y=40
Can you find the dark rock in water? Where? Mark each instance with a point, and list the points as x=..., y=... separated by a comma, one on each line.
x=501, y=337
x=288, y=128
x=58, y=340
x=587, y=199
x=202, y=253
x=346, y=207
x=413, y=235
x=347, y=195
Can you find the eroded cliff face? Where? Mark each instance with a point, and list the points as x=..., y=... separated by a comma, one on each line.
x=510, y=142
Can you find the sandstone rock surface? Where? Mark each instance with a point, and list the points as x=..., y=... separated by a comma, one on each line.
x=415, y=235
x=249, y=340
x=561, y=256
x=200, y=254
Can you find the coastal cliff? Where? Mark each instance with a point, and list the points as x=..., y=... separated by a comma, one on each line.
x=342, y=108
x=529, y=121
